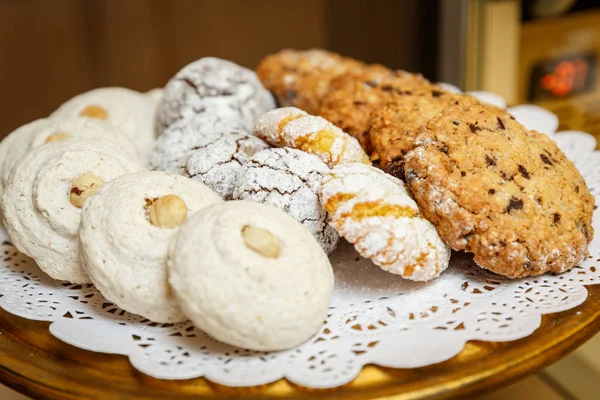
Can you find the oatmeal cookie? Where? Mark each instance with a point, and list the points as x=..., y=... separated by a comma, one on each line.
x=353, y=97
x=289, y=179
x=373, y=211
x=292, y=127
x=250, y=276
x=394, y=127
x=301, y=78
x=506, y=194
x=217, y=159
x=213, y=86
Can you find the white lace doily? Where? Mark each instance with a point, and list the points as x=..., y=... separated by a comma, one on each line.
x=375, y=317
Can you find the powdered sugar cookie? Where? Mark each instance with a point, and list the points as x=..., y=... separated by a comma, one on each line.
x=373, y=210
x=251, y=276
x=125, y=231
x=289, y=179
x=174, y=146
x=43, y=199
x=292, y=127
x=155, y=96
x=126, y=109
x=217, y=159
x=44, y=131
x=14, y=146
x=214, y=86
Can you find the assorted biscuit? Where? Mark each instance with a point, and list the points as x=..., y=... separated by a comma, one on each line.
x=204, y=201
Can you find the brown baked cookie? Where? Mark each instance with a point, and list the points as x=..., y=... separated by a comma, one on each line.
x=354, y=96
x=300, y=78
x=393, y=127
x=508, y=195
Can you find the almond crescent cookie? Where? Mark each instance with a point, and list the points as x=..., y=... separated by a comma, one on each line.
x=290, y=180
x=250, y=276
x=43, y=199
x=125, y=232
x=43, y=131
x=300, y=78
x=218, y=158
x=353, y=97
x=131, y=111
x=373, y=211
x=506, y=194
x=292, y=127
x=394, y=127
x=214, y=86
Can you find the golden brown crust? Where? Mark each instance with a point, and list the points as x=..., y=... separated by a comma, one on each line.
x=301, y=78
x=353, y=97
x=508, y=195
x=394, y=127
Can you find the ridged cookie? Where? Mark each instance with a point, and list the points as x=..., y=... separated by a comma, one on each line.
x=506, y=194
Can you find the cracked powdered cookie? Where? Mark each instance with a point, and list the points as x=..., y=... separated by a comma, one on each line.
x=292, y=127
x=131, y=111
x=394, y=126
x=250, y=276
x=374, y=211
x=300, y=78
x=506, y=194
x=353, y=97
x=43, y=199
x=174, y=146
x=125, y=232
x=217, y=159
x=289, y=179
x=214, y=86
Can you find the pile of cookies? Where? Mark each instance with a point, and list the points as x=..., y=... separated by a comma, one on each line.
x=204, y=201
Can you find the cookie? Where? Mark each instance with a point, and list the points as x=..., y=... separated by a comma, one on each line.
x=300, y=78
x=131, y=111
x=290, y=180
x=292, y=127
x=125, y=231
x=501, y=192
x=217, y=159
x=155, y=96
x=353, y=97
x=42, y=201
x=214, y=86
x=250, y=276
x=374, y=212
x=43, y=131
x=14, y=146
x=174, y=146
x=394, y=126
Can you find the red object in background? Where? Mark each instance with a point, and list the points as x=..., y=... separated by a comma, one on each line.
x=568, y=76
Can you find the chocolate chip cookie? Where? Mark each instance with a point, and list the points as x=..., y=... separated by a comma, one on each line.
x=506, y=194
x=393, y=127
x=301, y=78
x=354, y=96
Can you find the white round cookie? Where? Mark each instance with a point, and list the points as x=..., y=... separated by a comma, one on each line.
x=251, y=276
x=14, y=146
x=176, y=143
x=38, y=215
x=214, y=86
x=155, y=96
x=126, y=109
x=218, y=158
x=292, y=127
x=124, y=253
x=374, y=211
x=289, y=179
x=39, y=132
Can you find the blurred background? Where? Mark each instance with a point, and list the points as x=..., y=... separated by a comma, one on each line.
x=535, y=51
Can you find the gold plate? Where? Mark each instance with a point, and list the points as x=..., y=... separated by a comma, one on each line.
x=35, y=363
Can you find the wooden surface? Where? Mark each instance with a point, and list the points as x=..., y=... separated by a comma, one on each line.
x=35, y=363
